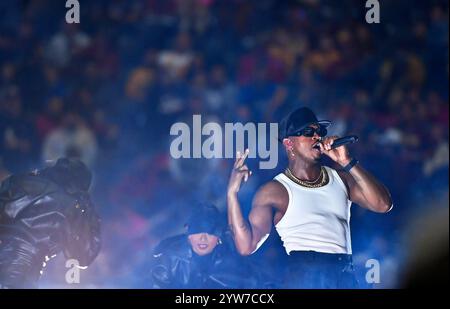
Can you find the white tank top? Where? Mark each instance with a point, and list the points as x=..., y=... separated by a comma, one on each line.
x=316, y=219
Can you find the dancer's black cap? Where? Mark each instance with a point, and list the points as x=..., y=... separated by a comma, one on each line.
x=205, y=218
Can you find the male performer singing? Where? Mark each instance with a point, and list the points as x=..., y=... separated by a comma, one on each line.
x=309, y=205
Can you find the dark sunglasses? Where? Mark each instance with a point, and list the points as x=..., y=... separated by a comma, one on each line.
x=309, y=131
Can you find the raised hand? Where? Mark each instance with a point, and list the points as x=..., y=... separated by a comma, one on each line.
x=240, y=172
x=339, y=154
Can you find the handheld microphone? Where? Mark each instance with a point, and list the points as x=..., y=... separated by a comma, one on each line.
x=341, y=141
x=350, y=139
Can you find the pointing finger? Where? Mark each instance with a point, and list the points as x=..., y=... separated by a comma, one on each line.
x=241, y=160
x=238, y=157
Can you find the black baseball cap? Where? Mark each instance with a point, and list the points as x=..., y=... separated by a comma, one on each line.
x=205, y=218
x=297, y=120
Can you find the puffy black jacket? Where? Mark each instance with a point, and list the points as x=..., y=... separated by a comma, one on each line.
x=39, y=219
x=176, y=266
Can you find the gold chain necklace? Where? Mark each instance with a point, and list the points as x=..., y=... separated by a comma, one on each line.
x=304, y=182
x=321, y=181
x=315, y=181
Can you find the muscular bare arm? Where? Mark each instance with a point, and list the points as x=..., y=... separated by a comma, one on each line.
x=364, y=189
x=248, y=233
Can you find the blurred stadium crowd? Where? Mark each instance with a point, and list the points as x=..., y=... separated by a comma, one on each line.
x=108, y=90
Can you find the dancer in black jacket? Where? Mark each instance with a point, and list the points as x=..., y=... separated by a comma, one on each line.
x=42, y=214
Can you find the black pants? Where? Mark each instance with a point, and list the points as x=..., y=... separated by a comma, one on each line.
x=315, y=270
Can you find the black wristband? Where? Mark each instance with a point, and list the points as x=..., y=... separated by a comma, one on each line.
x=349, y=166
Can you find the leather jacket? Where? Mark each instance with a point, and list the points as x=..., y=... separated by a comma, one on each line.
x=39, y=219
x=176, y=266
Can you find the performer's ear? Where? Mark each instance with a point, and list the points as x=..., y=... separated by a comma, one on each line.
x=287, y=142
